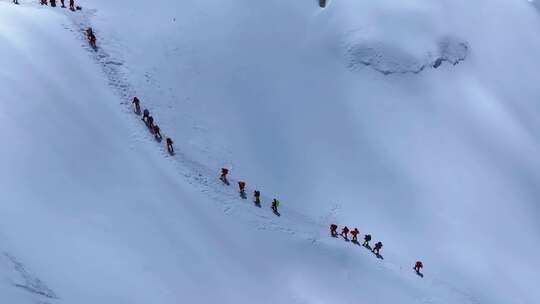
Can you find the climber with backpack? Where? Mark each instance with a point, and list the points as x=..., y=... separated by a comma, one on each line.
x=150, y=123
x=170, y=147
x=333, y=230
x=377, y=248
x=354, y=234
x=157, y=133
x=275, y=205
x=242, y=188
x=223, y=176
x=417, y=266
x=137, y=104
x=367, y=238
x=257, y=196
x=145, y=116
x=345, y=232
x=91, y=36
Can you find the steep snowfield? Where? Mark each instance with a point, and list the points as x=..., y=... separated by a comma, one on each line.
x=440, y=164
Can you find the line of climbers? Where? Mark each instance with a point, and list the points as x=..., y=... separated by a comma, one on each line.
x=149, y=121
x=72, y=6
x=367, y=238
x=155, y=130
x=256, y=193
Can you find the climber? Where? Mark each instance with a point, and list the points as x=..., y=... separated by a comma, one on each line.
x=418, y=266
x=377, y=248
x=367, y=238
x=333, y=230
x=257, y=196
x=170, y=145
x=224, y=172
x=242, y=187
x=62, y=3
x=137, y=104
x=145, y=115
x=354, y=234
x=157, y=133
x=72, y=5
x=150, y=123
x=223, y=177
x=91, y=37
x=275, y=205
x=345, y=232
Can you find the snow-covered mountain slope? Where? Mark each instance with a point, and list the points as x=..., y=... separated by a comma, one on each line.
x=440, y=164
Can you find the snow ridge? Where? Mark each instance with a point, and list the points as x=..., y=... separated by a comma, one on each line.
x=388, y=59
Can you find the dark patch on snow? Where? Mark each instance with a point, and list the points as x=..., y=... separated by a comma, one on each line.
x=113, y=62
x=29, y=282
x=535, y=3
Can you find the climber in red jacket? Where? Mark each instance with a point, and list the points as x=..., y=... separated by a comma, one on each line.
x=242, y=187
x=418, y=266
x=354, y=234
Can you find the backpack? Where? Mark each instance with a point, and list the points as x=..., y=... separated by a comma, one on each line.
x=368, y=237
x=257, y=193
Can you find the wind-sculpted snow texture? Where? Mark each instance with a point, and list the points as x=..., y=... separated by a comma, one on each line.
x=389, y=59
x=440, y=165
x=24, y=279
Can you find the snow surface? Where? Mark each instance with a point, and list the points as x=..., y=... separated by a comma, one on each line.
x=441, y=165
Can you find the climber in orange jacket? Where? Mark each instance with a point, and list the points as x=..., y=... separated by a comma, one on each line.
x=354, y=234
